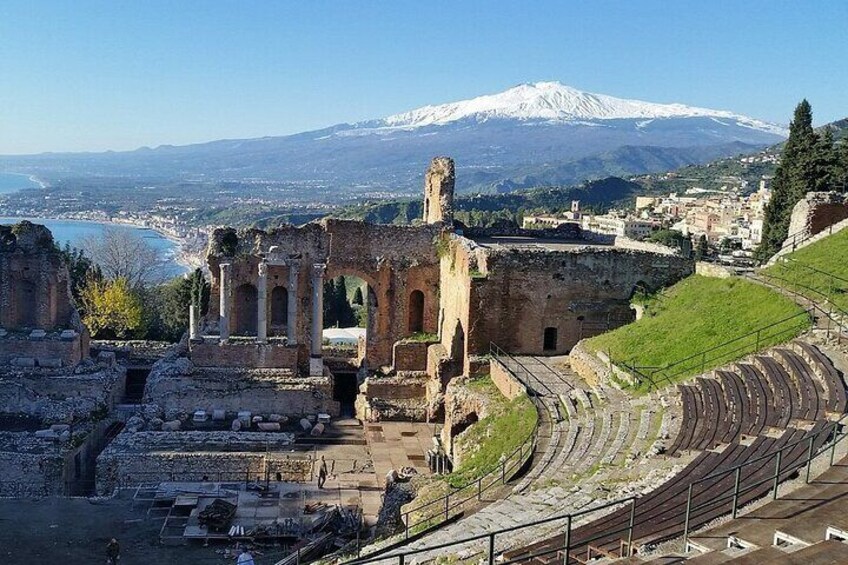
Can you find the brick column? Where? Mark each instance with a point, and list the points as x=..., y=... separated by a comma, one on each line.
x=262, y=303
x=291, y=321
x=224, y=304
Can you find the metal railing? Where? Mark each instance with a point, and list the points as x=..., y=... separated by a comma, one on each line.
x=730, y=350
x=438, y=511
x=832, y=435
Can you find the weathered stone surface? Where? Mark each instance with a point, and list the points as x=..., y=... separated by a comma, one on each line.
x=50, y=362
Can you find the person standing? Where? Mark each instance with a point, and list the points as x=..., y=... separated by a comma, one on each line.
x=322, y=473
x=245, y=558
x=113, y=552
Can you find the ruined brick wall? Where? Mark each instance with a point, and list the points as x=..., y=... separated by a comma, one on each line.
x=395, y=262
x=458, y=263
x=509, y=386
x=34, y=281
x=511, y=297
x=31, y=474
x=410, y=355
x=439, y=183
x=260, y=356
x=50, y=352
x=816, y=212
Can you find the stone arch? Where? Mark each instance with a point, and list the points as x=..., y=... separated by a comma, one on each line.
x=25, y=301
x=372, y=294
x=245, y=309
x=416, y=312
x=279, y=306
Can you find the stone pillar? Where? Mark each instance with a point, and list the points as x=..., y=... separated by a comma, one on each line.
x=262, y=303
x=291, y=322
x=192, y=322
x=316, y=365
x=224, y=305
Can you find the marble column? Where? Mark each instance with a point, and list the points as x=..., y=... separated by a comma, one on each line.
x=262, y=304
x=317, y=308
x=192, y=322
x=224, y=305
x=291, y=321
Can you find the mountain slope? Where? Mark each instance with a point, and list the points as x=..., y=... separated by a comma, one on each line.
x=544, y=129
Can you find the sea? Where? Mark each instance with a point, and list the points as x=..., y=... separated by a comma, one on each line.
x=13, y=182
x=76, y=232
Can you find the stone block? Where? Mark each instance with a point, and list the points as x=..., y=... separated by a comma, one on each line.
x=269, y=426
x=171, y=426
x=305, y=424
x=244, y=417
x=46, y=434
x=68, y=335
x=23, y=362
x=236, y=426
x=316, y=366
x=317, y=430
x=50, y=362
x=219, y=415
x=107, y=358
x=59, y=428
x=37, y=335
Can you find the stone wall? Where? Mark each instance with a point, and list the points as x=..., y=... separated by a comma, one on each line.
x=509, y=386
x=816, y=212
x=144, y=457
x=177, y=387
x=31, y=466
x=463, y=408
x=516, y=295
x=712, y=270
x=211, y=353
x=438, y=191
x=402, y=396
x=49, y=351
x=410, y=355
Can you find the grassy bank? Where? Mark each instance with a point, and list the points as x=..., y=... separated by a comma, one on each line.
x=818, y=271
x=696, y=315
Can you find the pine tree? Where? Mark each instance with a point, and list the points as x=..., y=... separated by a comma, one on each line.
x=799, y=172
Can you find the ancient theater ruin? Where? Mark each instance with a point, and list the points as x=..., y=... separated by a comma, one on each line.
x=56, y=402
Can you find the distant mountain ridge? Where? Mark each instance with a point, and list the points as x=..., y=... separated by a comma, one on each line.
x=546, y=131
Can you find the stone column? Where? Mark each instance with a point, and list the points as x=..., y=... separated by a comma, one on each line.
x=291, y=321
x=224, y=305
x=262, y=303
x=192, y=322
x=317, y=308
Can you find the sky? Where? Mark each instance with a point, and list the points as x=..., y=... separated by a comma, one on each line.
x=120, y=74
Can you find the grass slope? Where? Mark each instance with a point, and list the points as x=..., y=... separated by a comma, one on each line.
x=809, y=270
x=699, y=314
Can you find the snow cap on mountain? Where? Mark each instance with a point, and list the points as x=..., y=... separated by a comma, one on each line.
x=553, y=101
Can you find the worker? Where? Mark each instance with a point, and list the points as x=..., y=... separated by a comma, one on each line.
x=245, y=558
x=113, y=552
x=322, y=473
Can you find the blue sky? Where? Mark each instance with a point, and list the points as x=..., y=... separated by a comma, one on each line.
x=119, y=74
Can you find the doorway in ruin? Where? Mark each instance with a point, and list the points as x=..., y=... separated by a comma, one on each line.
x=245, y=316
x=549, y=341
x=135, y=383
x=25, y=304
x=350, y=312
x=279, y=306
x=416, y=312
x=345, y=389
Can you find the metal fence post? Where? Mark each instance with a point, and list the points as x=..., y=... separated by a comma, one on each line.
x=686, y=521
x=400, y=559
x=503, y=472
x=479, y=489
x=776, y=475
x=447, y=503
x=809, y=460
x=492, y=549
x=406, y=524
x=833, y=446
x=630, y=526
x=567, y=548
x=736, y=481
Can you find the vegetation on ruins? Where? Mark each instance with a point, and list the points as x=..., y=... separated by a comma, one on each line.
x=815, y=271
x=111, y=308
x=338, y=311
x=811, y=161
x=695, y=315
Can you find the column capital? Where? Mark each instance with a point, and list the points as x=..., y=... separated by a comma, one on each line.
x=263, y=269
x=318, y=270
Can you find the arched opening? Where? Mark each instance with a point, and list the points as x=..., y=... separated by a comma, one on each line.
x=416, y=311
x=279, y=306
x=549, y=342
x=245, y=309
x=25, y=304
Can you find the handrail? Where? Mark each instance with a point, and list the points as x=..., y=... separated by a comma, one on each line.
x=833, y=433
x=498, y=475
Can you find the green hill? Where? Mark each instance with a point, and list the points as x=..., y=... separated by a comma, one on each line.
x=688, y=328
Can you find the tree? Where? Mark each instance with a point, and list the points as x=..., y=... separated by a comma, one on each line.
x=330, y=319
x=804, y=167
x=345, y=315
x=357, y=296
x=124, y=254
x=702, y=249
x=112, y=308
x=670, y=238
x=80, y=268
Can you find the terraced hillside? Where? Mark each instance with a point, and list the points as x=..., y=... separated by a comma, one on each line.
x=700, y=314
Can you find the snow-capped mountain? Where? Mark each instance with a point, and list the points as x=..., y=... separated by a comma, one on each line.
x=556, y=102
x=541, y=133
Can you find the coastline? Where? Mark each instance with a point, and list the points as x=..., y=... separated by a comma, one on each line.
x=181, y=255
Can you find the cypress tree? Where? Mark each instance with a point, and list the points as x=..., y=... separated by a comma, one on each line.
x=799, y=172
x=330, y=319
x=357, y=296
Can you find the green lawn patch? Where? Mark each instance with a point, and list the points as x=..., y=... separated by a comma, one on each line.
x=698, y=315
x=818, y=271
